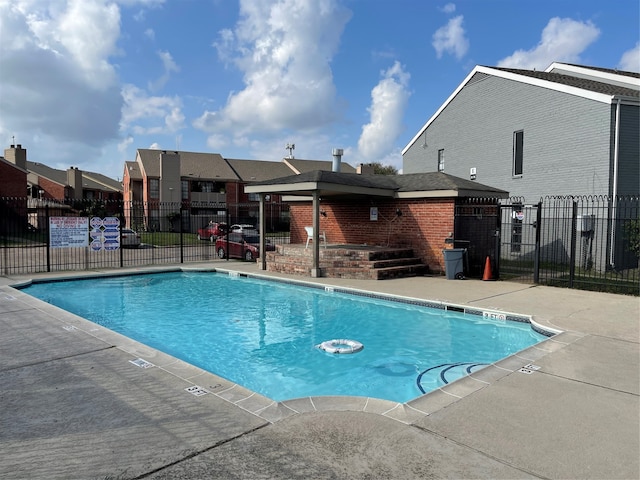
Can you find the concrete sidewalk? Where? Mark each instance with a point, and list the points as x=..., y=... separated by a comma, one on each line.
x=72, y=405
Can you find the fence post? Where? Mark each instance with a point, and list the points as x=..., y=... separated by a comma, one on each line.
x=497, y=234
x=121, y=203
x=5, y=240
x=536, y=260
x=181, y=237
x=572, y=258
x=46, y=214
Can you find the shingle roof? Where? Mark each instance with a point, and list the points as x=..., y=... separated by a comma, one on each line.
x=574, y=81
x=42, y=170
x=192, y=164
x=257, y=170
x=90, y=180
x=607, y=70
x=302, y=166
x=416, y=182
x=103, y=180
x=432, y=181
x=134, y=170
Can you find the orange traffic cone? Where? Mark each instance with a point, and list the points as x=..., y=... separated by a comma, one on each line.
x=487, y=270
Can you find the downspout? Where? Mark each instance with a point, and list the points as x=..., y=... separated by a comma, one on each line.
x=614, y=192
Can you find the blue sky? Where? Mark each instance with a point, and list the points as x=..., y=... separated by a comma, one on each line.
x=87, y=82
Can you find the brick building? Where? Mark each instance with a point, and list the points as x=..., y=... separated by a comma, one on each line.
x=416, y=211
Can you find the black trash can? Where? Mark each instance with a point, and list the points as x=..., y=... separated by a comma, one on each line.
x=454, y=263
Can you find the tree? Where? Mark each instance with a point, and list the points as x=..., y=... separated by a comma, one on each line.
x=632, y=229
x=380, y=169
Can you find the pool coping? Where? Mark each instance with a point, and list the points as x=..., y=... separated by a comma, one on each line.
x=203, y=382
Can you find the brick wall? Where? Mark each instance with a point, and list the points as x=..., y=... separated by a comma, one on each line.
x=51, y=189
x=13, y=181
x=423, y=225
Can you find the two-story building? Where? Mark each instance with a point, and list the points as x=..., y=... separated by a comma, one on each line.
x=203, y=186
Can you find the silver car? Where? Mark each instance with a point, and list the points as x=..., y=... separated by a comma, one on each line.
x=129, y=238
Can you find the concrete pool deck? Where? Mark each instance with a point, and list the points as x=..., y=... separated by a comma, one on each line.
x=72, y=405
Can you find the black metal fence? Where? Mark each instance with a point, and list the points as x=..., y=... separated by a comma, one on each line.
x=577, y=242
x=589, y=243
x=44, y=235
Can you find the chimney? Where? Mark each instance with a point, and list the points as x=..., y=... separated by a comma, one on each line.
x=365, y=168
x=74, y=180
x=16, y=155
x=170, y=177
x=337, y=158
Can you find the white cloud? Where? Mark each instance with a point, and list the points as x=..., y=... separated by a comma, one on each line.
x=56, y=81
x=449, y=8
x=124, y=144
x=169, y=66
x=150, y=33
x=630, y=60
x=451, y=39
x=389, y=99
x=562, y=40
x=283, y=50
x=144, y=114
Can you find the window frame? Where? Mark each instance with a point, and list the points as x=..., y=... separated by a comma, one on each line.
x=517, y=166
x=154, y=188
x=441, y=160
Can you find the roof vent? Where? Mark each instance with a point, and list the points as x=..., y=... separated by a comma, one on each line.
x=337, y=159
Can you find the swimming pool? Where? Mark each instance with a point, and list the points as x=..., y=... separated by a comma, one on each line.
x=264, y=335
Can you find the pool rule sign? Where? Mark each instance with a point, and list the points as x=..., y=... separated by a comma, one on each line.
x=105, y=233
x=67, y=232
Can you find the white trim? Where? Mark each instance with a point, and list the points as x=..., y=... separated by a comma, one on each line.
x=595, y=75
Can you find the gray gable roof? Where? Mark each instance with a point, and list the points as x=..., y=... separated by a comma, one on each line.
x=45, y=171
x=90, y=180
x=192, y=164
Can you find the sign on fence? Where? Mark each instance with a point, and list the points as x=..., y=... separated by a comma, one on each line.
x=68, y=232
x=105, y=233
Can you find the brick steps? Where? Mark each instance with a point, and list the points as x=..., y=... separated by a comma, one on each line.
x=357, y=262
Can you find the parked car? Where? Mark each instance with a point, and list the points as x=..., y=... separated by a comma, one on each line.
x=212, y=231
x=241, y=245
x=129, y=238
x=243, y=227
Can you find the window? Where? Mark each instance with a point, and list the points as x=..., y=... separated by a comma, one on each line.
x=207, y=186
x=254, y=197
x=441, y=160
x=518, y=143
x=154, y=188
x=185, y=189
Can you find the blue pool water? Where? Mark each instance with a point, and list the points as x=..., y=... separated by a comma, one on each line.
x=263, y=335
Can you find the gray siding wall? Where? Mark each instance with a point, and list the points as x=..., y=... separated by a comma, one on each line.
x=567, y=147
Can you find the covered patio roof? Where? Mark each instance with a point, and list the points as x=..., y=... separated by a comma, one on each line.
x=318, y=183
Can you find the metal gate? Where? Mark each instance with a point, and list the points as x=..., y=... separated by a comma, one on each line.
x=475, y=229
x=519, y=242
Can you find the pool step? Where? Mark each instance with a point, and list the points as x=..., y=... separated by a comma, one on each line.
x=355, y=262
x=441, y=375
